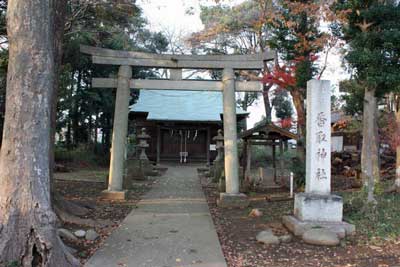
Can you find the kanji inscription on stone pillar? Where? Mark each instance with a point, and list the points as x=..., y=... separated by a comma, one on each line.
x=318, y=156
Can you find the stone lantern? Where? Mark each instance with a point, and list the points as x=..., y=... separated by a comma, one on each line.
x=139, y=167
x=142, y=138
x=219, y=142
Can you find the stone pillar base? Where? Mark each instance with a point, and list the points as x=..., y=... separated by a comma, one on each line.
x=298, y=228
x=226, y=200
x=320, y=208
x=114, y=195
x=313, y=211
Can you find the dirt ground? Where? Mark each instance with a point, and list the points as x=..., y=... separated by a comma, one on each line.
x=237, y=234
x=109, y=213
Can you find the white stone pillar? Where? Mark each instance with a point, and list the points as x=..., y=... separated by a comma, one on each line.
x=120, y=131
x=230, y=133
x=317, y=204
x=318, y=139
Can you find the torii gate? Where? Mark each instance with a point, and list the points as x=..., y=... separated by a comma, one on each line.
x=228, y=85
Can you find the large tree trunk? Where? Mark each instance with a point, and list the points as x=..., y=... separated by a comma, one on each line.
x=397, y=142
x=298, y=101
x=395, y=106
x=370, y=145
x=397, y=180
x=267, y=103
x=28, y=234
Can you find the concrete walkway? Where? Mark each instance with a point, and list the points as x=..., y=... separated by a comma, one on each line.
x=171, y=227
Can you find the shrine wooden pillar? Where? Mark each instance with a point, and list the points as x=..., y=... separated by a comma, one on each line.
x=281, y=161
x=208, y=146
x=158, y=144
x=248, y=160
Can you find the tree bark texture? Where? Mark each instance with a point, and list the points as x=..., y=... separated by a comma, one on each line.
x=298, y=101
x=28, y=234
x=397, y=181
x=267, y=103
x=370, y=144
x=394, y=105
x=397, y=114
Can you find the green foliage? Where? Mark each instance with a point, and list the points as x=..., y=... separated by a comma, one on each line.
x=282, y=105
x=83, y=111
x=260, y=155
x=81, y=155
x=354, y=97
x=13, y=264
x=380, y=222
x=298, y=167
x=372, y=31
x=296, y=35
x=240, y=28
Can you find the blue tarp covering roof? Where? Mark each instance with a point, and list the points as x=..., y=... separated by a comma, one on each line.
x=177, y=105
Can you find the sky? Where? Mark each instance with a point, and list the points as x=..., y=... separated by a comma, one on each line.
x=172, y=16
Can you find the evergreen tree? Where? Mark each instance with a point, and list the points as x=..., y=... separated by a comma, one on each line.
x=372, y=31
x=283, y=107
x=83, y=110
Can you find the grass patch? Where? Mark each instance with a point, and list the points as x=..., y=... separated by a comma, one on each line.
x=99, y=175
x=13, y=264
x=80, y=155
x=381, y=223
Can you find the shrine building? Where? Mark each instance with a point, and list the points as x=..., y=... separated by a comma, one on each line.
x=181, y=123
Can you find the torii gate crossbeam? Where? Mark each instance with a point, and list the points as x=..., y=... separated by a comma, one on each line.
x=228, y=86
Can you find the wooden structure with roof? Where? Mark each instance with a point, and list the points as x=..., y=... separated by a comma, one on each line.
x=181, y=123
x=266, y=134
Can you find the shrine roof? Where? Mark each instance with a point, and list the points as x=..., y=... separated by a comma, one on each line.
x=267, y=131
x=179, y=105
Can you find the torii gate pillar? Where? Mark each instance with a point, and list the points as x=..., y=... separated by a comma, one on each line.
x=232, y=198
x=120, y=131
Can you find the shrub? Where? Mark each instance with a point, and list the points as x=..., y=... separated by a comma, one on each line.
x=82, y=155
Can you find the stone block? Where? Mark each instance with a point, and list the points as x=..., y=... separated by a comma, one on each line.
x=203, y=169
x=114, y=195
x=222, y=185
x=321, y=208
x=267, y=237
x=321, y=237
x=148, y=168
x=140, y=169
x=218, y=170
x=298, y=228
x=233, y=201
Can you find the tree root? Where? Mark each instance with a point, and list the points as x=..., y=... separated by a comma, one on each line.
x=69, y=206
x=72, y=219
x=37, y=245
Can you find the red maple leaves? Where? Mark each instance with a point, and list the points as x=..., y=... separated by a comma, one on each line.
x=282, y=76
x=285, y=76
x=286, y=123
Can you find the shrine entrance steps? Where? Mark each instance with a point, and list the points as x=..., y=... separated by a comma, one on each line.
x=172, y=226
